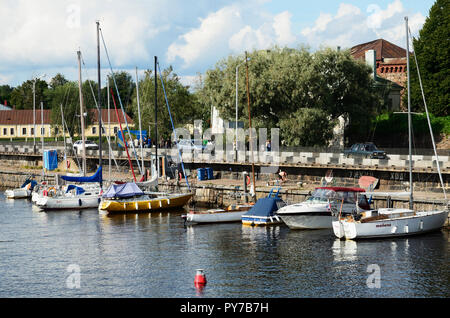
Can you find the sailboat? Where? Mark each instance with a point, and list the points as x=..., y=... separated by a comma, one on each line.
x=86, y=194
x=394, y=222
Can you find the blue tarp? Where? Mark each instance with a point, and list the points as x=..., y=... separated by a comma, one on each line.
x=33, y=183
x=264, y=207
x=79, y=190
x=97, y=177
x=50, y=159
x=125, y=190
x=135, y=134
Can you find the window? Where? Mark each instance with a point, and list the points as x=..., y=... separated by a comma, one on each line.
x=5, y=131
x=24, y=131
x=32, y=131
x=94, y=130
x=115, y=130
x=11, y=131
x=42, y=131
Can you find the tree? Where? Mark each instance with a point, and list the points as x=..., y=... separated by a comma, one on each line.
x=308, y=127
x=184, y=105
x=67, y=95
x=22, y=95
x=57, y=80
x=432, y=50
x=283, y=81
x=126, y=87
x=5, y=94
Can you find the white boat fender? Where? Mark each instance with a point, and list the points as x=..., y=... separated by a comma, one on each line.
x=136, y=205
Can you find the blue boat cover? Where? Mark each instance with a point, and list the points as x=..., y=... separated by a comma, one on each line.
x=124, y=190
x=97, y=177
x=79, y=190
x=264, y=207
x=33, y=183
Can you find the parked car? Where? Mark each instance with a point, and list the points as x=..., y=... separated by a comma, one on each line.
x=89, y=145
x=367, y=150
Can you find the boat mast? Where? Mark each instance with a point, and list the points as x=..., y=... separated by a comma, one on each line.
x=409, y=118
x=156, y=118
x=99, y=102
x=42, y=138
x=109, y=131
x=64, y=134
x=250, y=125
x=83, y=150
x=139, y=115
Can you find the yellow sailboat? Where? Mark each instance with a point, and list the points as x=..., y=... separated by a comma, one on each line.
x=128, y=197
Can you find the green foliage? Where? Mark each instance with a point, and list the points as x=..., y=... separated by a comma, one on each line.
x=5, y=94
x=22, y=95
x=312, y=127
x=432, y=49
x=283, y=81
x=183, y=104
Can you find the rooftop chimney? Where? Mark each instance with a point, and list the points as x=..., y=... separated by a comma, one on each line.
x=371, y=60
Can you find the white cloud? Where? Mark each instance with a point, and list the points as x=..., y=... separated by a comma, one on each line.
x=232, y=29
x=350, y=26
x=208, y=37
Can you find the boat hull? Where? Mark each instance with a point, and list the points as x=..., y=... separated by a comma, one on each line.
x=18, y=193
x=308, y=221
x=421, y=222
x=255, y=220
x=50, y=203
x=162, y=203
x=215, y=217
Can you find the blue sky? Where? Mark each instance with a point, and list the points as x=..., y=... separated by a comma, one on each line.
x=41, y=37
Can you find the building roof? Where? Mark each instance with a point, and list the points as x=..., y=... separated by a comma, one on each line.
x=383, y=49
x=25, y=116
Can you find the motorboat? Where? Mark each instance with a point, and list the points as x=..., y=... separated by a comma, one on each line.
x=316, y=211
x=232, y=213
x=263, y=212
x=23, y=192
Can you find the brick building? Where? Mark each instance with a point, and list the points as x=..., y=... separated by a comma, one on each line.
x=390, y=62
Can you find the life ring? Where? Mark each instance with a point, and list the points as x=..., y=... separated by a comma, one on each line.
x=179, y=176
x=51, y=191
x=45, y=192
x=248, y=180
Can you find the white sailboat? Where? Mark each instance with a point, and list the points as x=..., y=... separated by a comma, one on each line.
x=395, y=222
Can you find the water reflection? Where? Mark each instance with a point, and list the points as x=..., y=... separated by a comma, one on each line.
x=344, y=250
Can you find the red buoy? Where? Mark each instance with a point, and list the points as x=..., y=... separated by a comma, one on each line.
x=200, y=278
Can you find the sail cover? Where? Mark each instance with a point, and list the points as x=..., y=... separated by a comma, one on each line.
x=97, y=177
x=78, y=191
x=124, y=190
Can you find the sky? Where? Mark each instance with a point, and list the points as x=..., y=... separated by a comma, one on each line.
x=40, y=38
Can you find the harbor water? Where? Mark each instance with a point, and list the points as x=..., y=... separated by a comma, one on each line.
x=154, y=255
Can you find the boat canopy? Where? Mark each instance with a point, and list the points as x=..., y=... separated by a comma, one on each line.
x=97, y=177
x=78, y=191
x=340, y=189
x=32, y=183
x=264, y=207
x=125, y=190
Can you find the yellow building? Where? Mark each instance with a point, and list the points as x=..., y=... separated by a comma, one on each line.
x=22, y=123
